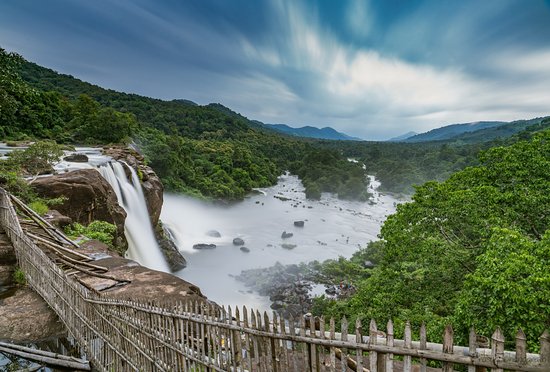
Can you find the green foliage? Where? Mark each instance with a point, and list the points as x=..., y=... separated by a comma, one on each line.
x=471, y=250
x=13, y=183
x=510, y=287
x=39, y=207
x=38, y=158
x=19, y=276
x=206, y=151
x=99, y=230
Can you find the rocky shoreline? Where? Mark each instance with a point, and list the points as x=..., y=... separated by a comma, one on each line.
x=292, y=288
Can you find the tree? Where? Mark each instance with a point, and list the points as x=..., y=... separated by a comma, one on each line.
x=38, y=158
x=510, y=287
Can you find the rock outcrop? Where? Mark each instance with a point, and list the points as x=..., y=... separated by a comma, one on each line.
x=88, y=197
x=174, y=258
x=76, y=158
x=26, y=317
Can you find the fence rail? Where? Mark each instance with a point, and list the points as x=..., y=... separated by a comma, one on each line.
x=120, y=335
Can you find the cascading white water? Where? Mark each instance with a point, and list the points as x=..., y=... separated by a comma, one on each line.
x=142, y=245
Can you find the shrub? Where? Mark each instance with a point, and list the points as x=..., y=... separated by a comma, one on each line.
x=39, y=207
x=99, y=230
x=19, y=277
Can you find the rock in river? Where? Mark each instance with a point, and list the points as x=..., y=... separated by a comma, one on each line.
x=214, y=233
x=286, y=235
x=238, y=241
x=299, y=223
x=245, y=250
x=288, y=246
x=76, y=158
x=204, y=246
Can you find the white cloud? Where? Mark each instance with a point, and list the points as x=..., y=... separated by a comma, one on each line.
x=375, y=95
x=360, y=17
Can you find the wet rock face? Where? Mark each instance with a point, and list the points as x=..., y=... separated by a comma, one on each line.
x=173, y=256
x=89, y=197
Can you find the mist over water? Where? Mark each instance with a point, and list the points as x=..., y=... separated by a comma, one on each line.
x=332, y=228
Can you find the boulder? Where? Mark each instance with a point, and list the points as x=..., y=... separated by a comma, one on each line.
x=245, y=250
x=299, y=223
x=173, y=256
x=22, y=312
x=214, y=234
x=204, y=246
x=286, y=235
x=288, y=246
x=76, y=158
x=238, y=241
x=88, y=197
x=58, y=219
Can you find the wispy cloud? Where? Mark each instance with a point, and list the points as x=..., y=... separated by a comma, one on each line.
x=364, y=68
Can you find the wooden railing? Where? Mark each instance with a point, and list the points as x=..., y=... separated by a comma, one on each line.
x=121, y=335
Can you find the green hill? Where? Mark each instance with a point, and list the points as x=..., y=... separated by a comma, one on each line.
x=207, y=151
x=327, y=133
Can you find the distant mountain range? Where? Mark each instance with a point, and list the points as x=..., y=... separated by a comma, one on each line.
x=475, y=132
x=312, y=132
x=402, y=137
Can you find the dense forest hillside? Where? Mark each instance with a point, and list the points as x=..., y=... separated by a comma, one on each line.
x=453, y=130
x=471, y=251
x=400, y=165
x=207, y=151
x=477, y=132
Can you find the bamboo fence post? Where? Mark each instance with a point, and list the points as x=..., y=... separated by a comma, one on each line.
x=521, y=347
x=373, y=355
x=266, y=347
x=232, y=342
x=238, y=339
x=389, y=343
x=332, y=337
x=257, y=354
x=304, y=345
x=344, y=335
x=276, y=343
x=545, y=349
x=472, y=348
x=294, y=348
x=359, y=340
x=407, y=360
x=423, y=343
x=322, y=349
x=448, y=347
x=248, y=345
x=313, y=347
x=497, y=349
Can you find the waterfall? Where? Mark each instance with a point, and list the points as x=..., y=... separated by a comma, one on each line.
x=142, y=244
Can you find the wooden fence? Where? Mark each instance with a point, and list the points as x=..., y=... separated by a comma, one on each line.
x=131, y=336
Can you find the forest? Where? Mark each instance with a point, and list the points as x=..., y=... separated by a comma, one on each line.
x=206, y=151
x=470, y=251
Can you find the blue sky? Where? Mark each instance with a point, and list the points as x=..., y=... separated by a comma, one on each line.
x=373, y=69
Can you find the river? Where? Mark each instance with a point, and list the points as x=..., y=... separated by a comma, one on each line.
x=332, y=228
